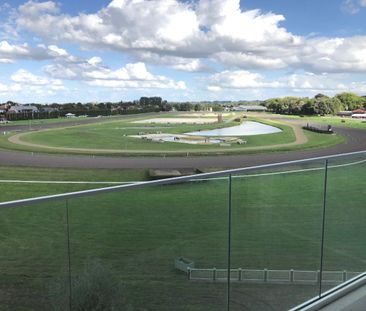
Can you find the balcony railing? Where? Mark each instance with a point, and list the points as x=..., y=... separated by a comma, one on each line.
x=262, y=238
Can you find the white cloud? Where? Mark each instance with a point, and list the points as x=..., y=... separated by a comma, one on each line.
x=24, y=84
x=12, y=52
x=353, y=6
x=94, y=61
x=178, y=63
x=239, y=79
x=231, y=80
x=3, y=88
x=335, y=55
x=184, y=35
x=93, y=72
x=350, y=7
x=25, y=77
x=249, y=60
x=162, y=29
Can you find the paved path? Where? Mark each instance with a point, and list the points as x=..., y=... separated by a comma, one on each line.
x=355, y=141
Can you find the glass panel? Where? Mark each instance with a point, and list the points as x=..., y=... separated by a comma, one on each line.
x=33, y=257
x=276, y=234
x=153, y=248
x=345, y=230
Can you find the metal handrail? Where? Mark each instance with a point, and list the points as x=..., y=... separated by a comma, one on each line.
x=166, y=181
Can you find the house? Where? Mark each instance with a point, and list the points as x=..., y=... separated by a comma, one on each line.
x=23, y=109
x=70, y=115
x=359, y=111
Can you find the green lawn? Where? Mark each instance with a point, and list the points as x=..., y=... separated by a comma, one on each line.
x=138, y=233
x=334, y=120
x=16, y=191
x=40, y=122
x=113, y=136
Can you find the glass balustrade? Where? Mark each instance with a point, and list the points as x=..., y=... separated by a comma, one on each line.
x=264, y=238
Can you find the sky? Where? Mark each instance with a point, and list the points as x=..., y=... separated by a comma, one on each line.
x=181, y=50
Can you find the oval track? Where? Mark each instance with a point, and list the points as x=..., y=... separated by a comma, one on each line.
x=355, y=141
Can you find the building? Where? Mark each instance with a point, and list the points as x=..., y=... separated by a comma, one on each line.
x=23, y=109
x=359, y=111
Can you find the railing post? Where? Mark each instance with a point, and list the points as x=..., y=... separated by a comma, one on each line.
x=229, y=219
x=189, y=273
x=291, y=275
x=265, y=275
x=323, y=227
x=214, y=274
x=344, y=276
x=68, y=253
x=240, y=272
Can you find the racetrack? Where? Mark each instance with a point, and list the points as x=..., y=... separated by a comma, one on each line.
x=355, y=140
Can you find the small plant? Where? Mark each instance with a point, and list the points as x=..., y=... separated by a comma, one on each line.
x=96, y=288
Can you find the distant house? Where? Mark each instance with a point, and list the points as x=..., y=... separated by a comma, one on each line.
x=4, y=107
x=358, y=111
x=249, y=108
x=70, y=115
x=23, y=109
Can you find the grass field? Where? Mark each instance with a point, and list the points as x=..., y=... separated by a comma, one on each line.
x=138, y=233
x=16, y=191
x=334, y=120
x=112, y=138
x=39, y=122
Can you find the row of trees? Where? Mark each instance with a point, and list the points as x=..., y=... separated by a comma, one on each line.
x=319, y=105
x=144, y=104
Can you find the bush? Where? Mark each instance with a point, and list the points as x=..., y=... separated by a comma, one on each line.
x=96, y=288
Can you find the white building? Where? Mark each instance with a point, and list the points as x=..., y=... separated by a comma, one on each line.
x=23, y=109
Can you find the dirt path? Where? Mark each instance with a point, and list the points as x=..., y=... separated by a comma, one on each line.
x=300, y=138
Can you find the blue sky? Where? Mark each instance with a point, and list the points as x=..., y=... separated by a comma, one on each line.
x=60, y=51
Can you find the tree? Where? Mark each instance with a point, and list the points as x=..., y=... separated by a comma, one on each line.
x=351, y=101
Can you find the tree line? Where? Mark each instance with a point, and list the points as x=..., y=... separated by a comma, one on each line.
x=319, y=105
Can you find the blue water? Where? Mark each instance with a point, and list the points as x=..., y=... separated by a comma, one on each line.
x=248, y=128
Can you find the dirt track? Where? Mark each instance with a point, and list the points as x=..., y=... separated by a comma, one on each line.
x=355, y=141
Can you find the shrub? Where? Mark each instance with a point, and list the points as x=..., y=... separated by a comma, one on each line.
x=95, y=288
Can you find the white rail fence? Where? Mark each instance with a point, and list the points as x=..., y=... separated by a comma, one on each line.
x=270, y=276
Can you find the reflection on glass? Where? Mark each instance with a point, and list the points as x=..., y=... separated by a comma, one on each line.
x=345, y=230
x=276, y=232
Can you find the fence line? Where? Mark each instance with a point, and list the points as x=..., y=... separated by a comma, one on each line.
x=270, y=276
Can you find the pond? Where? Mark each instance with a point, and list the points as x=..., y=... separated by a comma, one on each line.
x=248, y=128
